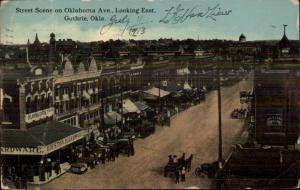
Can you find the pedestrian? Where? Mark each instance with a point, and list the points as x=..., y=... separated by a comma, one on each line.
x=177, y=176
x=95, y=159
x=13, y=173
x=30, y=173
x=110, y=154
x=103, y=156
x=23, y=182
x=18, y=183
x=48, y=168
x=183, y=174
x=132, y=148
x=117, y=151
x=57, y=167
x=113, y=155
x=41, y=171
x=99, y=158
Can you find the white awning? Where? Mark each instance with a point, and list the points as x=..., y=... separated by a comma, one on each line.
x=186, y=86
x=65, y=97
x=111, y=118
x=85, y=95
x=183, y=71
x=157, y=92
x=91, y=91
x=57, y=99
x=130, y=107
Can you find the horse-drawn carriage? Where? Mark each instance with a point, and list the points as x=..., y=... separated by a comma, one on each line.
x=162, y=119
x=209, y=169
x=147, y=128
x=246, y=96
x=172, y=167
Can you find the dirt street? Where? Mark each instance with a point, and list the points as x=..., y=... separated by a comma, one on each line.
x=193, y=131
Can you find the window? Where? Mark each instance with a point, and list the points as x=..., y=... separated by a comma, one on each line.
x=28, y=105
x=71, y=121
x=274, y=120
x=38, y=71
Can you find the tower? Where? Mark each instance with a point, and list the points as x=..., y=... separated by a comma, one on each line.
x=52, y=48
x=36, y=40
x=284, y=44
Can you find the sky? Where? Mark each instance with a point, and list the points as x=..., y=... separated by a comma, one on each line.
x=256, y=19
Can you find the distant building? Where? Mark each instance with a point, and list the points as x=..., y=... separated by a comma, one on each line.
x=284, y=44
x=242, y=38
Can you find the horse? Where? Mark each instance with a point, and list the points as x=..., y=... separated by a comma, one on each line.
x=188, y=163
x=181, y=160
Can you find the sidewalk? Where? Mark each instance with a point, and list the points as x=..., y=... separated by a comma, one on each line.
x=64, y=168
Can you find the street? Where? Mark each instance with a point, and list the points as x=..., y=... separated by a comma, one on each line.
x=193, y=131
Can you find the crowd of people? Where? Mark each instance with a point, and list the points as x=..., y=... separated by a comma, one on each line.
x=20, y=175
x=94, y=154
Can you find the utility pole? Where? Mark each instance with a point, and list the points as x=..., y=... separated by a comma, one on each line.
x=121, y=91
x=1, y=119
x=220, y=158
x=102, y=107
x=160, y=104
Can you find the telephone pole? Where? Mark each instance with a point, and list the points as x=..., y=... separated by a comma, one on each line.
x=220, y=157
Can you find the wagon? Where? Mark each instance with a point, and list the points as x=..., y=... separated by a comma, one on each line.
x=171, y=168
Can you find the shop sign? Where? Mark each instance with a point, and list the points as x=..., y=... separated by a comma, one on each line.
x=22, y=150
x=43, y=150
x=39, y=115
x=63, y=142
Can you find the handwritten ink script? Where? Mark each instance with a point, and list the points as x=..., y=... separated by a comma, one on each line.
x=134, y=29
x=178, y=14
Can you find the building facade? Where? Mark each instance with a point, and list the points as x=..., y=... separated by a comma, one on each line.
x=277, y=105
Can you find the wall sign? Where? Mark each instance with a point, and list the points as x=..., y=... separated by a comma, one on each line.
x=35, y=116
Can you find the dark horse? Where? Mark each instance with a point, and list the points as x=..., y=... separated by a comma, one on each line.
x=188, y=163
x=182, y=162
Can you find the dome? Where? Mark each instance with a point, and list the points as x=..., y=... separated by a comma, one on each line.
x=52, y=35
x=242, y=38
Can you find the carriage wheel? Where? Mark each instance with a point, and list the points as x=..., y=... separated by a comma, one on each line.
x=198, y=171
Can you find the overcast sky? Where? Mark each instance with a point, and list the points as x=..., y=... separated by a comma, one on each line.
x=257, y=19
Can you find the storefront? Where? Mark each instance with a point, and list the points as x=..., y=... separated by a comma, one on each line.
x=39, y=152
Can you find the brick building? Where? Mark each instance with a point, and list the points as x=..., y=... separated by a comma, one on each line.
x=277, y=92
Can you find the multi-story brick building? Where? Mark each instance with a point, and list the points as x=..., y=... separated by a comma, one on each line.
x=28, y=97
x=277, y=106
